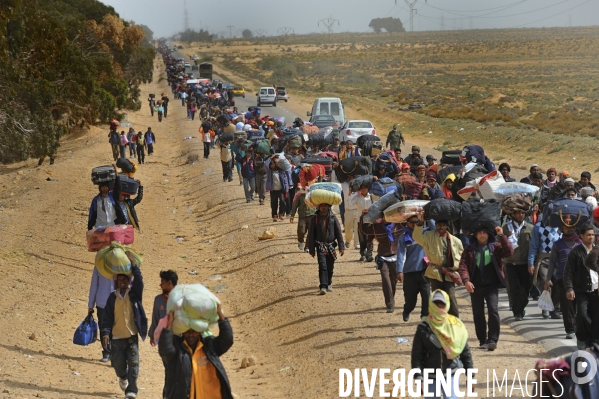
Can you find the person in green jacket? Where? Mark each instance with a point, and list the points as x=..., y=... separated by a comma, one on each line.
x=395, y=138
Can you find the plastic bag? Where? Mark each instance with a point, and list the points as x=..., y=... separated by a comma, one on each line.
x=113, y=260
x=545, y=302
x=195, y=308
x=512, y=188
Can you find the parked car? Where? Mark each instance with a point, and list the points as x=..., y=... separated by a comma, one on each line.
x=267, y=95
x=329, y=106
x=239, y=91
x=323, y=121
x=282, y=94
x=187, y=65
x=356, y=128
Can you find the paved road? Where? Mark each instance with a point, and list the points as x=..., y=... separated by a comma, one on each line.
x=547, y=332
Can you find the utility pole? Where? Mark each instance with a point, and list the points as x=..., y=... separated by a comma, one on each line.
x=259, y=33
x=185, y=16
x=329, y=23
x=284, y=31
x=412, y=12
x=230, y=30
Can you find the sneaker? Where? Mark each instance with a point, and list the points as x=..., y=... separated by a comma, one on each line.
x=390, y=310
x=545, y=314
x=323, y=291
x=491, y=346
x=123, y=383
x=105, y=359
x=484, y=346
x=130, y=395
x=347, y=244
x=519, y=317
x=300, y=246
x=330, y=288
x=570, y=335
x=362, y=258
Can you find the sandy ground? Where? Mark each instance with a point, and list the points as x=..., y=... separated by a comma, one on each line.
x=269, y=288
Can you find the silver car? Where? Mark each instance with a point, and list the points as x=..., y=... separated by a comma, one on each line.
x=353, y=129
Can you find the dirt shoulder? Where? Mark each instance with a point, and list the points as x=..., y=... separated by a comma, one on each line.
x=268, y=288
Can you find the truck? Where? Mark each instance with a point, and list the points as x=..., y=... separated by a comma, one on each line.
x=206, y=71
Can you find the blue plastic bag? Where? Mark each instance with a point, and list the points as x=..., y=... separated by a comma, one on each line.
x=87, y=332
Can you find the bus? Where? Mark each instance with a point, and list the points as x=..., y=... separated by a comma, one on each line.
x=206, y=70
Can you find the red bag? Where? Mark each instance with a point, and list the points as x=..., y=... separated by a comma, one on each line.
x=102, y=236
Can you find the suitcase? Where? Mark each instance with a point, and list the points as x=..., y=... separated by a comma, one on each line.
x=568, y=212
x=101, y=237
x=326, y=162
x=353, y=166
x=404, y=210
x=451, y=157
x=102, y=174
x=443, y=209
x=128, y=185
x=479, y=213
x=384, y=185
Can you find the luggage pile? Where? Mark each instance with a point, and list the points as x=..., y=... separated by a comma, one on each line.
x=194, y=306
x=323, y=193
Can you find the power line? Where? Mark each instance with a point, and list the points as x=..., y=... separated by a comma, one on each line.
x=504, y=16
x=285, y=31
x=554, y=15
x=329, y=23
x=505, y=6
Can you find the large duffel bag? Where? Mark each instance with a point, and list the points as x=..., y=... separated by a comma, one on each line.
x=567, y=212
x=324, y=193
x=87, y=332
x=512, y=188
x=365, y=138
x=239, y=135
x=128, y=185
x=282, y=162
x=450, y=170
x=320, y=140
x=443, y=209
x=480, y=213
x=353, y=166
x=413, y=190
x=372, y=148
x=228, y=137
x=451, y=157
x=326, y=162
x=295, y=141
x=101, y=237
x=366, y=180
x=517, y=202
x=376, y=210
x=384, y=185
x=262, y=147
x=404, y=210
x=103, y=174
x=125, y=165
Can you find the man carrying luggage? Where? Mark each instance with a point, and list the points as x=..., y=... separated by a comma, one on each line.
x=100, y=289
x=519, y=273
x=481, y=270
x=102, y=211
x=123, y=320
x=410, y=269
x=444, y=252
x=324, y=235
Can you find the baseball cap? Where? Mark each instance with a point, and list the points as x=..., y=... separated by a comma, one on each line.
x=431, y=176
x=405, y=166
x=569, y=180
x=429, y=156
x=437, y=296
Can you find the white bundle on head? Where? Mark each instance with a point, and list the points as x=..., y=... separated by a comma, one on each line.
x=195, y=308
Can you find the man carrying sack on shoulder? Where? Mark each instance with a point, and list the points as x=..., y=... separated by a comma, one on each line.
x=443, y=251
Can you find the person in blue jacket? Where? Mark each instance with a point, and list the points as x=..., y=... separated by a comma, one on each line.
x=102, y=211
x=411, y=265
x=123, y=321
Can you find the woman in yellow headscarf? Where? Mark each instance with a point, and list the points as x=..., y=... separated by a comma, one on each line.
x=441, y=342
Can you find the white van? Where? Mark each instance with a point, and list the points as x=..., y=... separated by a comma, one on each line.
x=329, y=106
x=267, y=95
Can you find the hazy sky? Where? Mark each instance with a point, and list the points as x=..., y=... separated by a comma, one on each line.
x=165, y=17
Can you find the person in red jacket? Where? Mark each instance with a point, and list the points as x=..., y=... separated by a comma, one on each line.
x=481, y=270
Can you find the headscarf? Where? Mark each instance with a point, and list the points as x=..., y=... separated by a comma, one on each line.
x=449, y=330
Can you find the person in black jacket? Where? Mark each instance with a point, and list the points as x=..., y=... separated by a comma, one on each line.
x=581, y=283
x=441, y=342
x=123, y=320
x=178, y=352
x=324, y=234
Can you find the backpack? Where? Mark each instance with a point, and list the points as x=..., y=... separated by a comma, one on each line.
x=385, y=185
x=115, y=138
x=141, y=140
x=260, y=167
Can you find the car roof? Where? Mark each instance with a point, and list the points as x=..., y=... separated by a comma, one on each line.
x=358, y=120
x=323, y=116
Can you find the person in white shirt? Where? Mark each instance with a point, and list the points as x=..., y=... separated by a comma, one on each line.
x=102, y=211
x=362, y=201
